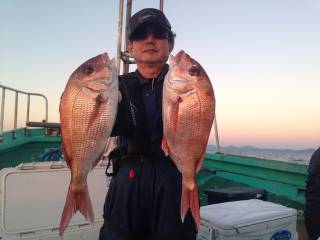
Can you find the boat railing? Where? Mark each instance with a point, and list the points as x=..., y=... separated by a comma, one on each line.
x=17, y=92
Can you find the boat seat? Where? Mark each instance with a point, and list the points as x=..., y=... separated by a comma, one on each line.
x=235, y=194
x=43, y=124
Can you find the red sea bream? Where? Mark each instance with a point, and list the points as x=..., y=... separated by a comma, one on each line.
x=188, y=113
x=87, y=114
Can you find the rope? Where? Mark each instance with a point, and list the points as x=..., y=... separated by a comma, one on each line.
x=52, y=155
x=216, y=133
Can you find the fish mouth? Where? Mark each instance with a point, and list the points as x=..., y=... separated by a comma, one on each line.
x=101, y=61
x=105, y=57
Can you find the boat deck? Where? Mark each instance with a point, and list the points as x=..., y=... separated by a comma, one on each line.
x=219, y=171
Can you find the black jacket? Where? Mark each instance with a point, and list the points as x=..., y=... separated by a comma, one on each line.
x=313, y=186
x=136, y=111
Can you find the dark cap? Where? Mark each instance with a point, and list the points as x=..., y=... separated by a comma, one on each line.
x=145, y=15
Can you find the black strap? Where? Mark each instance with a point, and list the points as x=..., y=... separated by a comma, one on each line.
x=112, y=158
x=118, y=152
x=118, y=160
x=114, y=168
x=136, y=158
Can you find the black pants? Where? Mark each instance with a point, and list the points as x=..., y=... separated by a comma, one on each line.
x=146, y=206
x=313, y=226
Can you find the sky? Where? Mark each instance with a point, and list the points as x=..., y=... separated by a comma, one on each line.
x=262, y=57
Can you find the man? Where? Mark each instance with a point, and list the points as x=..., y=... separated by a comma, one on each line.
x=143, y=201
x=312, y=208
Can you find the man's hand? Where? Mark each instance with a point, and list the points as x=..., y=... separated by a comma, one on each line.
x=119, y=97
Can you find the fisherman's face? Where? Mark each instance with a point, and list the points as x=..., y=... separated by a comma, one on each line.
x=150, y=45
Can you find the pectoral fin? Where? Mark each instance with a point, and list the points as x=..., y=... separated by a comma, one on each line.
x=175, y=99
x=102, y=97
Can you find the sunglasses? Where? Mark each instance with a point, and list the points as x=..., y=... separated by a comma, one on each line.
x=143, y=33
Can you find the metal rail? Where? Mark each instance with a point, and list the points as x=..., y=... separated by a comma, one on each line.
x=119, y=34
x=126, y=51
x=219, y=150
x=161, y=5
x=17, y=92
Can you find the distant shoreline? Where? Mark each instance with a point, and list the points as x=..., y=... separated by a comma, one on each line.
x=288, y=155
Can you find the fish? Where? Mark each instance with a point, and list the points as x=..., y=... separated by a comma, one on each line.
x=88, y=108
x=188, y=111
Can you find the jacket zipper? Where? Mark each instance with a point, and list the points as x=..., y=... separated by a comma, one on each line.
x=152, y=84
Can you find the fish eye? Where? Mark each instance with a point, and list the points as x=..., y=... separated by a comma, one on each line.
x=88, y=69
x=194, y=70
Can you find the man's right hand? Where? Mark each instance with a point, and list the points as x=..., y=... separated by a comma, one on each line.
x=119, y=97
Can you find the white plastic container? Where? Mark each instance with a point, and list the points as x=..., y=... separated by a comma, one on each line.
x=33, y=197
x=248, y=219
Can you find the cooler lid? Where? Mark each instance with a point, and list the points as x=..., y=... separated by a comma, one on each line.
x=231, y=215
x=33, y=196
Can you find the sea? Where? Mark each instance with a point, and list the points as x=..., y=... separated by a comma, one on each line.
x=287, y=155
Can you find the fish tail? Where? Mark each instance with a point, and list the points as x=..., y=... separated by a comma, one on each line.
x=195, y=208
x=190, y=199
x=79, y=200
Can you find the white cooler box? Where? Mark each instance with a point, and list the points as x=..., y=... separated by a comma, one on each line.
x=248, y=219
x=32, y=197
